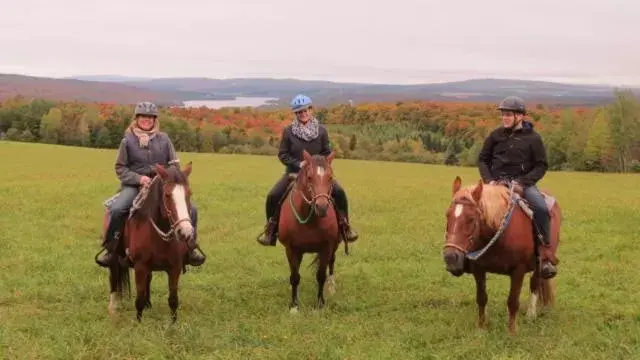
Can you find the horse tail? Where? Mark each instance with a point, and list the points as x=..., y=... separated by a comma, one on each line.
x=316, y=261
x=546, y=292
x=119, y=276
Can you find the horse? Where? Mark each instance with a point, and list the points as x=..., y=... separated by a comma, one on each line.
x=487, y=233
x=157, y=236
x=308, y=223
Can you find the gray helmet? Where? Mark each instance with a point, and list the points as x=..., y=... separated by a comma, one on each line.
x=513, y=103
x=146, y=108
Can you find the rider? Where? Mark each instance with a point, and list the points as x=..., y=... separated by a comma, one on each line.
x=305, y=133
x=515, y=151
x=142, y=146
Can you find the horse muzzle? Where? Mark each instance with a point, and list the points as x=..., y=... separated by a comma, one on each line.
x=321, y=205
x=185, y=229
x=454, y=261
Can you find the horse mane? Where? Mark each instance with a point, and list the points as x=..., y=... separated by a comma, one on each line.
x=150, y=204
x=318, y=160
x=493, y=202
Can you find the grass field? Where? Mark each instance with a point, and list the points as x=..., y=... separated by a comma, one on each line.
x=394, y=299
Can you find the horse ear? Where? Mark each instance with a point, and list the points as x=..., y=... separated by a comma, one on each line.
x=187, y=169
x=306, y=156
x=331, y=157
x=456, y=184
x=161, y=171
x=477, y=192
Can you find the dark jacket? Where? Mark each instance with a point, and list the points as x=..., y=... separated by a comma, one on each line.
x=291, y=147
x=132, y=161
x=513, y=154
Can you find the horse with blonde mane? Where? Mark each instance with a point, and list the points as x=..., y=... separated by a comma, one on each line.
x=490, y=230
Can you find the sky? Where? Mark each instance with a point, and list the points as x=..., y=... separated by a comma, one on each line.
x=394, y=42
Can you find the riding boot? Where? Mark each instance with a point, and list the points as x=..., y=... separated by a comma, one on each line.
x=548, y=269
x=196, y=257
x=269, y=237
x=112, y=237
x=350, y=233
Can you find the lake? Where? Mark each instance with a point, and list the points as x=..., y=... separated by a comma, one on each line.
x=240, y=101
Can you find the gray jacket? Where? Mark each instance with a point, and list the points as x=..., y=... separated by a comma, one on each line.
x=133, y=162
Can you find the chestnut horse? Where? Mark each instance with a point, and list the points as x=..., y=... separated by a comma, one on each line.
x=309, y=224
x=155, y=239
x=489, y=230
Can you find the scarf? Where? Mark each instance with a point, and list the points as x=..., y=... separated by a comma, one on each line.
x=143, y=135
x=308, y=131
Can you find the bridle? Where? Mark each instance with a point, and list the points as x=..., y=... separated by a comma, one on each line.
x=312, y=201
x=171, y=234
x=473, y=236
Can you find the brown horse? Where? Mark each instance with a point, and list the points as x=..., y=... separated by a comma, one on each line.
x=309, y=224
x=489, y=230
x=155, y=239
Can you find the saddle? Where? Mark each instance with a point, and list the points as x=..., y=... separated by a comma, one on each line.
x=137, y=202
x=524, y=204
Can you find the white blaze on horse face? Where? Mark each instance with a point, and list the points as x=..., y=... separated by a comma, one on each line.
x=320, y=171
x=458, y=210
x=178, y=195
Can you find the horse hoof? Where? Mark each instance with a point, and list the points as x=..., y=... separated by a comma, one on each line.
x=331, y=285
x=293, y=310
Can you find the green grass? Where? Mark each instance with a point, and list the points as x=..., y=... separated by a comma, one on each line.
x=394, y=298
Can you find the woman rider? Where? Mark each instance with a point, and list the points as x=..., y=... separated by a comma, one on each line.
x=305, y=133
x=142, y=146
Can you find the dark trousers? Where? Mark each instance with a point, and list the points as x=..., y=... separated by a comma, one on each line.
x=540, y=211
x=278, y=190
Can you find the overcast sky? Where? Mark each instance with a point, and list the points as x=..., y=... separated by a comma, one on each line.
x=398, y=41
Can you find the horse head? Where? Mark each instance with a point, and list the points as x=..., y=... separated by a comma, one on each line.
x=315, y=181
x=176, y=199
x=464, y=221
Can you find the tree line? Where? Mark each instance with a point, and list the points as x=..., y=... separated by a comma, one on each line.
x=599, y=138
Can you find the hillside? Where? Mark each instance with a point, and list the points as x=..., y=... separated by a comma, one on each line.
x=127, y=90
x=326, y=92
x=80, y=90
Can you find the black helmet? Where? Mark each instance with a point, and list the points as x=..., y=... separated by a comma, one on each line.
x=513, y=103
x=146, y=108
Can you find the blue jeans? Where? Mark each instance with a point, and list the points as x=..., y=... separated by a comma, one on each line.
x=540, y=212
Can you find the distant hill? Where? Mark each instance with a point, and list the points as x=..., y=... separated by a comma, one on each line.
x=124, y=89
x=80, y=90
x=326, y=92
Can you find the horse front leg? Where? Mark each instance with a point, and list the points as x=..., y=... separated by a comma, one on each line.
x=534, y=289
x=513, y=302
x=174, y=277
x=294, y=259
x=481, y=297
x=321, y=276
x=331, y=281
x=142, y=274
x=147, y=303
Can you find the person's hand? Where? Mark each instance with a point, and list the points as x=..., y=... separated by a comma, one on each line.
x=145, y=181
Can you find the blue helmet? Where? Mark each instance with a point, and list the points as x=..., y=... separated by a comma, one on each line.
x=300, y=102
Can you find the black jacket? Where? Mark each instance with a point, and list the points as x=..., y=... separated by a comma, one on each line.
x=291, y=147
x=517, y=154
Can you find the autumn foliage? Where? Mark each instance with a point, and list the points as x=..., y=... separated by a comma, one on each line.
x=604, y=138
